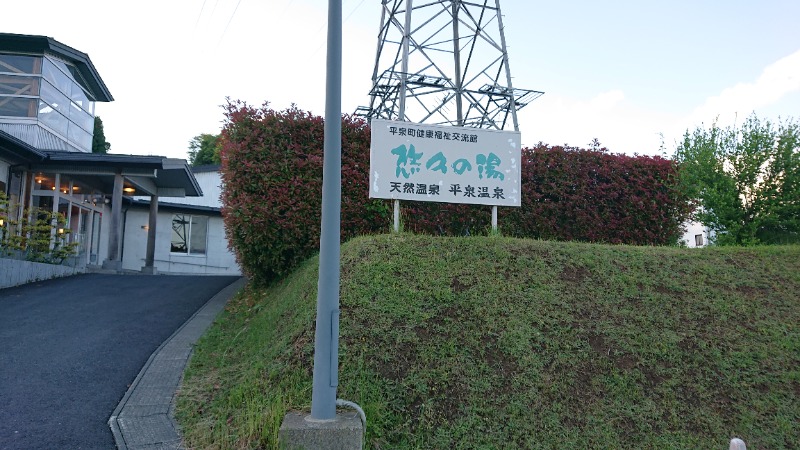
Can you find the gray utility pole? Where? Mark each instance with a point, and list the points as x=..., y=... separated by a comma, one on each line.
x=446, y=66
x=326, y=345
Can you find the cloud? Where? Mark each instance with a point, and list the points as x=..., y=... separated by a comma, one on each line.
x=776, y=81
x=608, y=116
x=606, y=101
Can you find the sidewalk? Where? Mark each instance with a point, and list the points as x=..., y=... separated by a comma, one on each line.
x=144, y=417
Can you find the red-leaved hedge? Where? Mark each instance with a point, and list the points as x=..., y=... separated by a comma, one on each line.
x=272, y=187
x=588, y=195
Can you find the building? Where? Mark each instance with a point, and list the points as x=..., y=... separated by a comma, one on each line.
x=696, y=235
x=48, y=91
x=191, y=237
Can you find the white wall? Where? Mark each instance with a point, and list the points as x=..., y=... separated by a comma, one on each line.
x=218, y=260
x=15, y=272
x=692, y=230
x=211, y=185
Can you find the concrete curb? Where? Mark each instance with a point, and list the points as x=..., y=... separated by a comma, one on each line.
x=143, y=419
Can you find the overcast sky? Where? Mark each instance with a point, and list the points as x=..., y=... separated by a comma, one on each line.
x=623, y=72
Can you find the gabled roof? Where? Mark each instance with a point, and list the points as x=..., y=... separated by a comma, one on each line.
x=40, y=45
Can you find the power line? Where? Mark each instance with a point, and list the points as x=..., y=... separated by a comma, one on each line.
x=214, y=8
x=200, y=14
x=345, y=21
x=353, y=11
x=230, y=20
x=286, y=8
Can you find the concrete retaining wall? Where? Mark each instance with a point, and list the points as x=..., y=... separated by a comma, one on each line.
x=15, y=272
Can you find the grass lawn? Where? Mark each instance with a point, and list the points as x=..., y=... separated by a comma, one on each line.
x=490, y=342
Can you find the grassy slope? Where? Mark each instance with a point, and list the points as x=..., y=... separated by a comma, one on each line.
x=505, y=343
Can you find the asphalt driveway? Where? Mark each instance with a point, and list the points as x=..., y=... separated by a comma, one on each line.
x=69, y=349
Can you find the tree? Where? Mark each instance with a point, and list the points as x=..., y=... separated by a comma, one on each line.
x=746, y=180
x=99, y=144
x=203, y=150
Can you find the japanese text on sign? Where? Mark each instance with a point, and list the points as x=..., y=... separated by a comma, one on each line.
x=444, y=164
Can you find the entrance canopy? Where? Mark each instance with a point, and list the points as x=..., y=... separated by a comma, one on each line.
x=143, y=175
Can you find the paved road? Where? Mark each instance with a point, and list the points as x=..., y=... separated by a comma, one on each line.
x=69, y=349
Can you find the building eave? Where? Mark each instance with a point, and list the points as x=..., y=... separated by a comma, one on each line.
x=164, y=174
x=18, y=151
x=174, y=207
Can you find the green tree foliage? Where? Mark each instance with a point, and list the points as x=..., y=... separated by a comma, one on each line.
x=745, y=180
x=99, y=144
x=203, y=150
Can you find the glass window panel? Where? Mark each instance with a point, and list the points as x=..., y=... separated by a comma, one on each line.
x=58, y=78
x=80, y=98
x=44, y=181
x=80, y=138
x=43, y=201
x=19, y=85
x=82, y=118
x=53, y=119
x=180, y=234
x=55, y=98
x=197, y=243
x=19, y=64
x=18, y=107
x=78, y=77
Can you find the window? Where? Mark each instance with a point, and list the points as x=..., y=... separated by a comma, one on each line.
x=18, y=107
x=19, y=64
x=18, y=85
x=60, y=91
x=189, y=234
x=55, y=72
x=698, y=240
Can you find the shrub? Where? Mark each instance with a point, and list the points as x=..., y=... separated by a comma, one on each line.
x=570, y=193
x=39, y=237
x=272, y=188
x=573, y=194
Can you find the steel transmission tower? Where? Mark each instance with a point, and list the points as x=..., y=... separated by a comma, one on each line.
x=444, y=62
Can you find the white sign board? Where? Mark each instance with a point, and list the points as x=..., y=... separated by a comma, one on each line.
x=434, y=163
